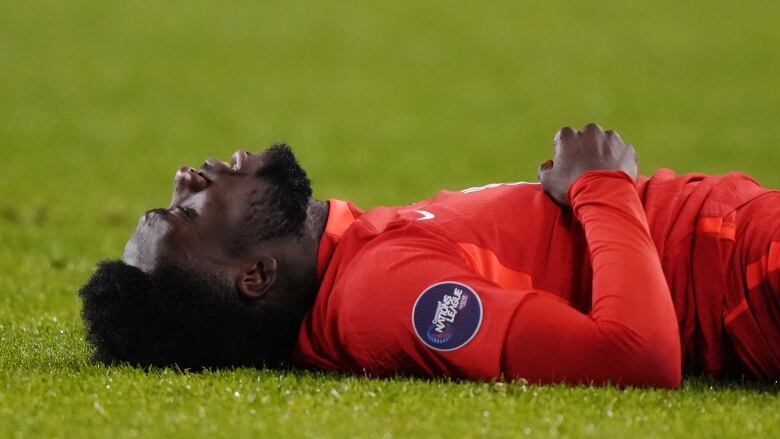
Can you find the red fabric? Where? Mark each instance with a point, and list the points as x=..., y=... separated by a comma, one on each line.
x=341, y=215
x=547, y=317
x=692, y=221
x=752, y=312
x=630, y=335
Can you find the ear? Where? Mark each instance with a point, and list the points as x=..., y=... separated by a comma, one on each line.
x=256, y=282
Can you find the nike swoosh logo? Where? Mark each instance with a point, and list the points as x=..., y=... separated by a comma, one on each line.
x=425, y=215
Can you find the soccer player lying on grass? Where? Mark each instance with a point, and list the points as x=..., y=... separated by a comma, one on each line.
x=606, y=277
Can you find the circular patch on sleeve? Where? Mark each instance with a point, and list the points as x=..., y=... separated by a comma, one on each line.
x=447, y=315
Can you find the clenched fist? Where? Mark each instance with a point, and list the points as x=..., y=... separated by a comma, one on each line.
x=577, y=152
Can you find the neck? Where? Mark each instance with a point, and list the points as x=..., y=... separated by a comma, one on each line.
x=300, y=288
x=296, y=284
x=316, y=220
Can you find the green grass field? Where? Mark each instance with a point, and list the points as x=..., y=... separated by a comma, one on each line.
x=384, y=103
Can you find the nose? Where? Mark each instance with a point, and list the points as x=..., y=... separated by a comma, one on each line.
x=238, y=159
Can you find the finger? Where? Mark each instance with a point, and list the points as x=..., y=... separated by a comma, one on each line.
x=613, y=135
x=563, y=135
x=633, y=151
x=543, y=168
x=635, y=170
x=591, y=129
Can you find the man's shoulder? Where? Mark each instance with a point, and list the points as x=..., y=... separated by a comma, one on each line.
x=401, y=249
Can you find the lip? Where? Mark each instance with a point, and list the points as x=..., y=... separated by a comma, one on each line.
x=207, y=173
x=215, y=164
x=187, y=172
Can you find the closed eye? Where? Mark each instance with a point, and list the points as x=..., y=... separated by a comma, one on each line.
x=191, y=213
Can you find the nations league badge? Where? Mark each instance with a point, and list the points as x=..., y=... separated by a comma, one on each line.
x=447, y=315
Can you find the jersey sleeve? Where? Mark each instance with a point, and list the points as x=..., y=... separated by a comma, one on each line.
x=630, y=335
x=417, y=306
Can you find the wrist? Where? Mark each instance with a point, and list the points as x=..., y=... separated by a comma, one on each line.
x=597, y=179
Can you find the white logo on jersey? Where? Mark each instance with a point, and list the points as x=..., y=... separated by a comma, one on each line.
x=425, y=215
x=492, y=185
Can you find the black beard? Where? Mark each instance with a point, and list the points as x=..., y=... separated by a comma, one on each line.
x=281, y=210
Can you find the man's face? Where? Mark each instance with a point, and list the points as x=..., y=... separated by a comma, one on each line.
x=208, y=209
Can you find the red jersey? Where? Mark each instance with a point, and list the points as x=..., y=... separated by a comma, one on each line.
x=483, y=282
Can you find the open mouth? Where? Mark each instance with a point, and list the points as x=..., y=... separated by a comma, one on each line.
x=188, y=172
x=211, y=168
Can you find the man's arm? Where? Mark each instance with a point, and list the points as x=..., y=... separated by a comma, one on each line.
x=393, y=315
x=630, y=335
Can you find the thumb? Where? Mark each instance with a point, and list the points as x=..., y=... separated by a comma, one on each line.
x=544, y=168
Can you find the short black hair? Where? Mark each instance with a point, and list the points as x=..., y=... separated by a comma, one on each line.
x=175, y=317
